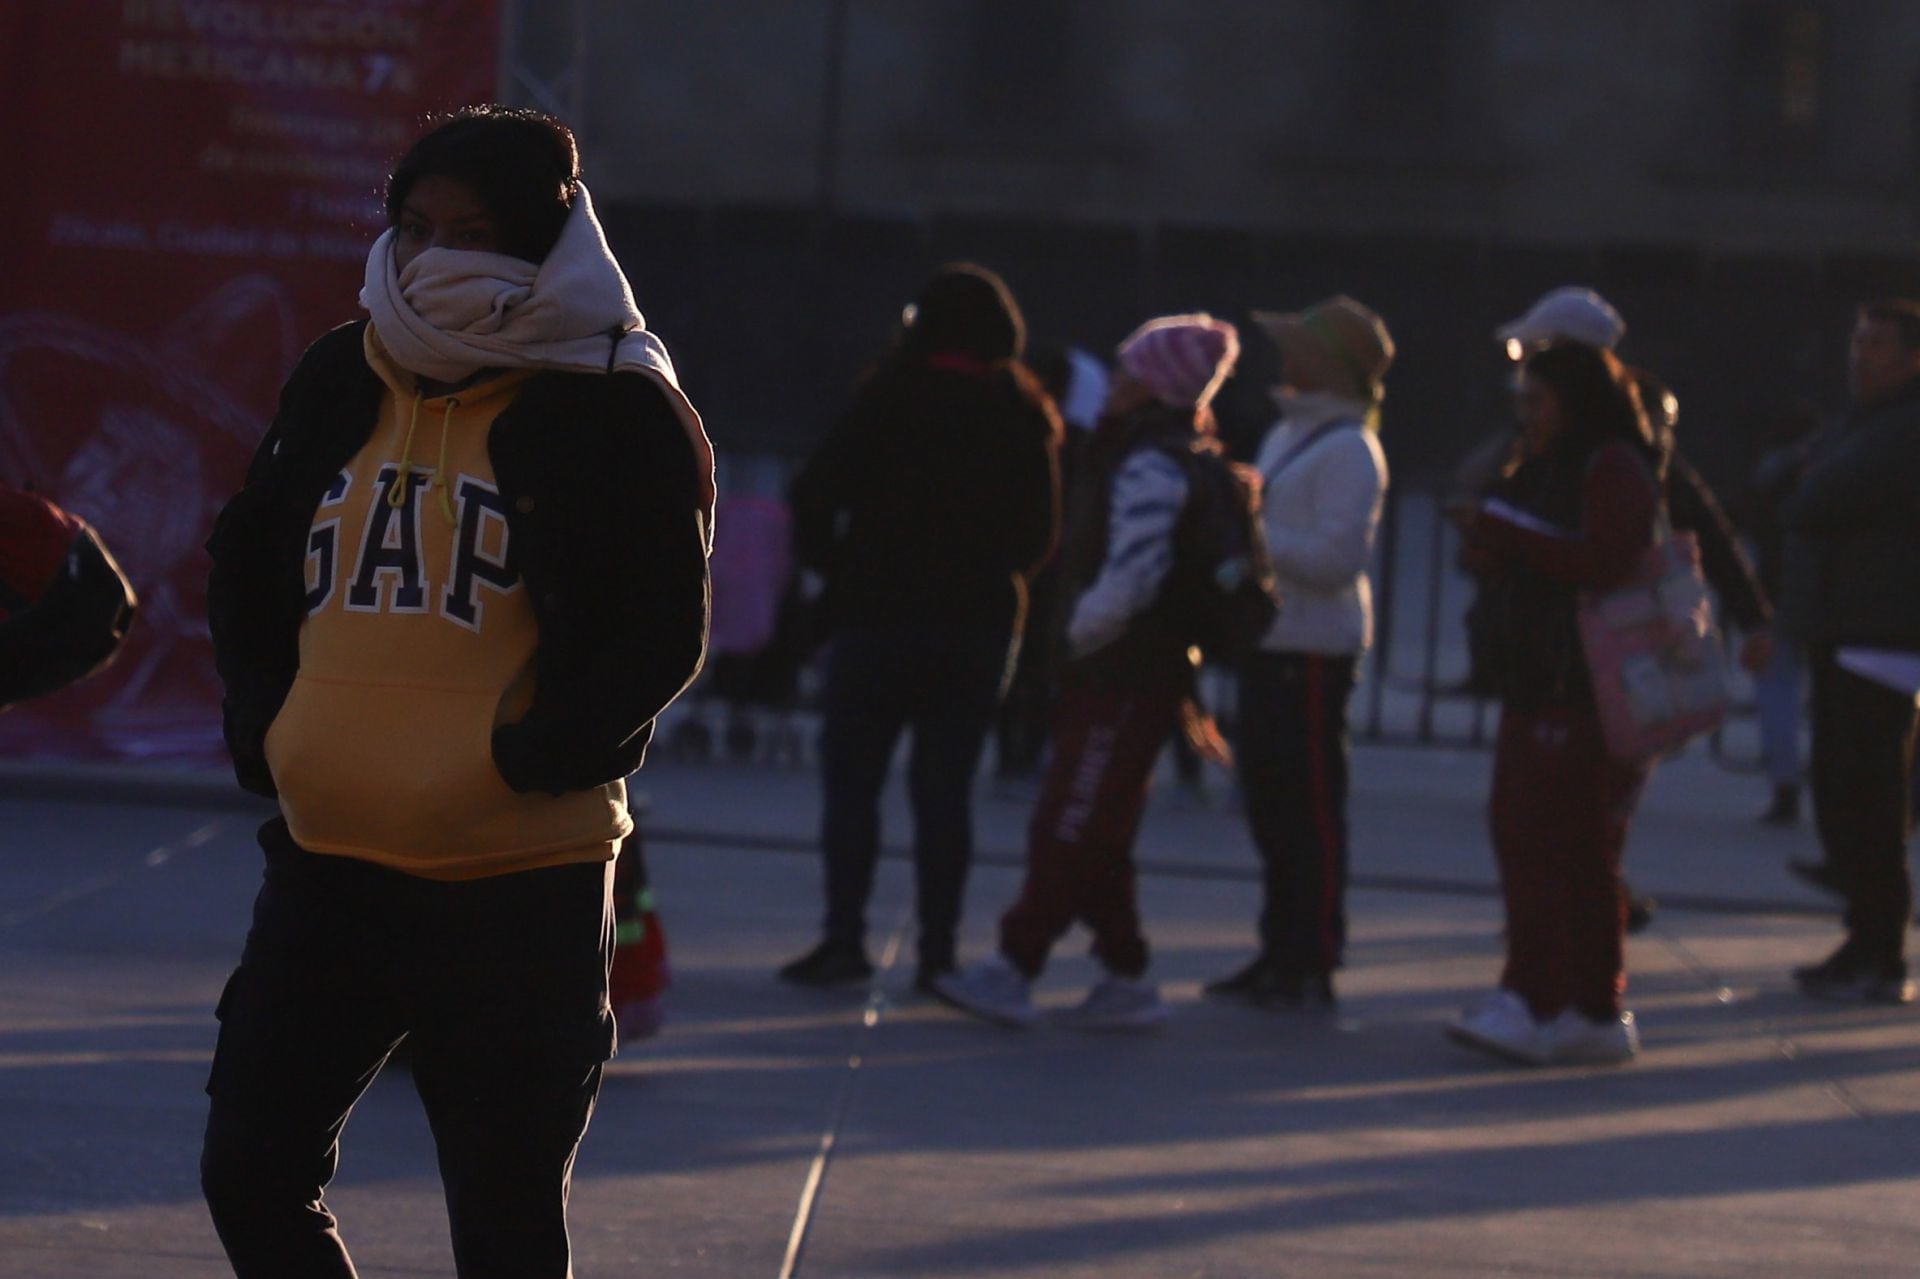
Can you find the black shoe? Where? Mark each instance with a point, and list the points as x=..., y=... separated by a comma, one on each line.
x=829, y=964
x=1842, y=978
x=1784, y=810
x=1821, y=875
x=1254, y=984
x=1309, y=993
x=1639, y=912
x=1264, y=985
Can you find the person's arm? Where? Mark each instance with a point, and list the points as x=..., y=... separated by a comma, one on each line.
x=1475, y=474
x=1619, y=504
x=819, y=494
x=254, y=594
x=1033, y=530
x=613, y=554
x=1148, y=494
x=1337, y=545
x=1694, y=508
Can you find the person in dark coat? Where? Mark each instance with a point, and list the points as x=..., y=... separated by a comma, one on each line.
x=1852, y=544
x=927, y=509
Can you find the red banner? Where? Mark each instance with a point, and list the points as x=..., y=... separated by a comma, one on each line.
x=193, y=188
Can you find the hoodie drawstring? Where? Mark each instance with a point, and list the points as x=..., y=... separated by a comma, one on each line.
x=397, y=491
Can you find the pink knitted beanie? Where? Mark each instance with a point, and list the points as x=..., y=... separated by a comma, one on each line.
x=1182, y=359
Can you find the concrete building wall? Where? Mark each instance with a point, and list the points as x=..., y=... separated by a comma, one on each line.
x=1540, y=121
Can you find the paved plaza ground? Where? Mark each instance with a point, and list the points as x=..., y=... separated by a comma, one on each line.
x=1759, y=1134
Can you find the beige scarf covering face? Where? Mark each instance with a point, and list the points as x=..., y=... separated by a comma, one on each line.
x=453, y=312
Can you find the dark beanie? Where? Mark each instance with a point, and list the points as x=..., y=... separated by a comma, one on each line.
x=967, y=308
x=522, y=165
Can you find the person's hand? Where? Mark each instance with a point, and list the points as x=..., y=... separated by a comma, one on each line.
x=1756, y=651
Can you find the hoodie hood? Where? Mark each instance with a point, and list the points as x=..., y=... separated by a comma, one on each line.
x=453, y=312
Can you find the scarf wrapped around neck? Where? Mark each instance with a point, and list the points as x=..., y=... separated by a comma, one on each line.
x=453, y=312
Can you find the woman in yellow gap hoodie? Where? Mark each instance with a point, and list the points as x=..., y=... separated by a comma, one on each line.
x=466, y=572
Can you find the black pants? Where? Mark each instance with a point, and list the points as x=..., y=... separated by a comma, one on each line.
x=1291, y=748
x=1862, y=770
x=500, y=987
x=943, y=683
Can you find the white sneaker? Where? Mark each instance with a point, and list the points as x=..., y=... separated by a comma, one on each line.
x=1573, y=1040
x=1503, y=1025
x=992, y=990
x=1118, y=1003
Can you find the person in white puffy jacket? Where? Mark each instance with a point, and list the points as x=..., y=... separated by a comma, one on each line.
x=1325, y=479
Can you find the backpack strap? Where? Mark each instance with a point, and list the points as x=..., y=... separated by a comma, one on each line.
x=1300, y=446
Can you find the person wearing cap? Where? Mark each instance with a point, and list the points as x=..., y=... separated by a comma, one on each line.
x=927, y=509
x=1125, y=678
x=1325, y=479
x=1578, y=514
x=1582, y=316
x=1567, y=314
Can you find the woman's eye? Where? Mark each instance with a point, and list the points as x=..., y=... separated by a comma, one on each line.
x=476, y=236
x=413, y=230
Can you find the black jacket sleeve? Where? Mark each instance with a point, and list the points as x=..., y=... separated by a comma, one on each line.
x=607, y=524
x=1033, y=511
x=1695, y=509
x=254, y=601
x=820, y=493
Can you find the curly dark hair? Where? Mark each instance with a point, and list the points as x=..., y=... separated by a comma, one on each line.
x=523, y=165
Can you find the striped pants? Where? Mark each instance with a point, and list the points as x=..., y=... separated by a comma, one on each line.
x=1291, y=746
x=1080, y=840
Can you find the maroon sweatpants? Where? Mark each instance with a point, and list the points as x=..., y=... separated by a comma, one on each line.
x=1080, y=841
x=1560, y=809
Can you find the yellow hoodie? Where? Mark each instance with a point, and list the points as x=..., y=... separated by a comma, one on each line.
x=419, y=639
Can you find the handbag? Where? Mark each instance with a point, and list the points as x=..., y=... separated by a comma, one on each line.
x=1653, y=650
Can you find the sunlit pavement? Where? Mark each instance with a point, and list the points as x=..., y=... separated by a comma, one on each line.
x=871, y=1134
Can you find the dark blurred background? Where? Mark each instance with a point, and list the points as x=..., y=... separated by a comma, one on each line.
x=196, y=184
x=1733, y=174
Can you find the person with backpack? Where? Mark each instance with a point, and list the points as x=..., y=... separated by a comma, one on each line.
x=1324, y=481
x=1126, y=632
x=65, y=605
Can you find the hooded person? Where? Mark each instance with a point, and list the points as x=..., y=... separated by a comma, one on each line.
x=466, y=572
x=927, y=509
x=1124, y=677
x=1324, y=482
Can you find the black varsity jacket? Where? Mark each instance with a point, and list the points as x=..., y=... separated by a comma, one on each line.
x=607, y=532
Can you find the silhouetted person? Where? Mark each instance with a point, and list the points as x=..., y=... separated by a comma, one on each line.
x=1852, y=547
x=927, y=508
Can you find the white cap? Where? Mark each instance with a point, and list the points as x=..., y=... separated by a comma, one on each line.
x=1569, y=314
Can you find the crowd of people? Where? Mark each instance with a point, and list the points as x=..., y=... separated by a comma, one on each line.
x=470, y=566
x=1576, y=500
